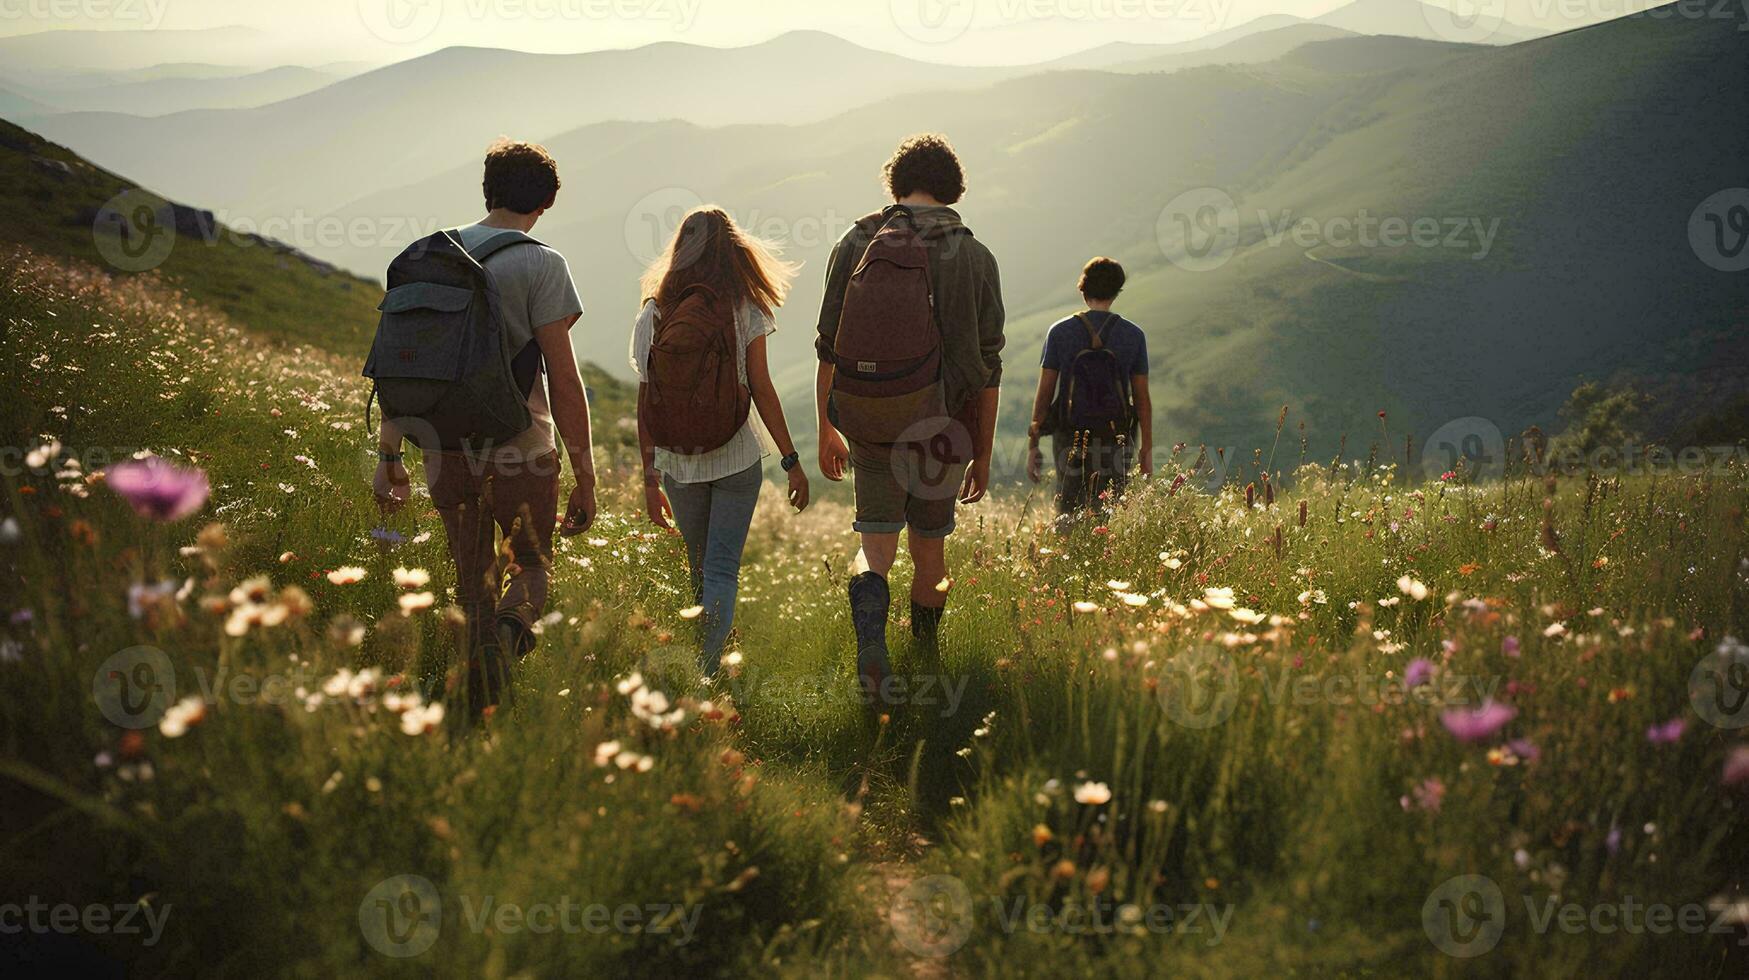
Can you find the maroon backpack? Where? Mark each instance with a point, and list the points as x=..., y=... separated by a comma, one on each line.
x=692, y=399
x=886, y=381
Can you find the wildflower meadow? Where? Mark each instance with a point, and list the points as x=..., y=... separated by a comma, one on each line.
x=1322, y=719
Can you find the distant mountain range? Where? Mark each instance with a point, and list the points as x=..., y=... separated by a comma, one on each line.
x=410, y=120
x=1398, y=18
x=129, y=93
x=1559, y=176
x=65, y=52
x=294, y=146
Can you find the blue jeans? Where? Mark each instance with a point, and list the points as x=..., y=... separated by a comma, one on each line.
x=713, y=518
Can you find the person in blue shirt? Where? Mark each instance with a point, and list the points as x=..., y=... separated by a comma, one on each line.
x=1093, y=464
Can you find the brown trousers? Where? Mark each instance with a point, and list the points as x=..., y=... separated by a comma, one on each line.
x=477, y=500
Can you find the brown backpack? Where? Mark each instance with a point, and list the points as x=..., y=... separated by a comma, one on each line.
x=692, y=400
x=886, y=382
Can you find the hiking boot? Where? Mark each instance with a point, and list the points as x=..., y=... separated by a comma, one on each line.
x=926, y=622
x=870, y=600
x=514, y=637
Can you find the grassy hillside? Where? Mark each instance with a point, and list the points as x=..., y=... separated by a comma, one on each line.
x=1215, y=739
x=50, y=199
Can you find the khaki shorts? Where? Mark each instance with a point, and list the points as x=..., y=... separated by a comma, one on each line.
x=911, y=485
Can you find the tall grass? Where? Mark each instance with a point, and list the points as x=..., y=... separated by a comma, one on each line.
x=1106, y=766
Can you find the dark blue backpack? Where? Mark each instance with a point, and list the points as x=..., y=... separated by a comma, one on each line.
x=1097, y=397
x=444, y=367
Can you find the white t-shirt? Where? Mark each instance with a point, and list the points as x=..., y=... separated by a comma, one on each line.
x=747, y=446
x=534, y=289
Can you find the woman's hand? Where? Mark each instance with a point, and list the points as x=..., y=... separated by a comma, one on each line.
x=656, y=505
x=1035, y=463
x=798, y=488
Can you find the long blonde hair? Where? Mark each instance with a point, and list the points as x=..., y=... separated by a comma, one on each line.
x=710, y=248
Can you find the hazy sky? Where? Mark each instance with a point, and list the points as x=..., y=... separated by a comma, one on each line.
x=971, y=31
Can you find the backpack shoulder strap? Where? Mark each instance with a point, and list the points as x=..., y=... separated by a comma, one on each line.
x=498, y=243
x=1092, y=331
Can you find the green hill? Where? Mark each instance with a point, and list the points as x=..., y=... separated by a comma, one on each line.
x=51, y=201
x=1570, y=165
x=59, y=205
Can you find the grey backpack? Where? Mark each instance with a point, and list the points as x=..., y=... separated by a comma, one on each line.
x=443, y=365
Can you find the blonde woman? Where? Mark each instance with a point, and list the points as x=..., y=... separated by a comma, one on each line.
x=711, y=494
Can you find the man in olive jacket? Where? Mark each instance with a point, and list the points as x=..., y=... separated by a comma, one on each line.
x=915, y=487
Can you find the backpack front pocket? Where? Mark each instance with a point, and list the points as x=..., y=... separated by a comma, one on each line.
x=422, y=332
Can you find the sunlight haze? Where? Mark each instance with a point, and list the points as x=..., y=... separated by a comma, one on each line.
x=960, y=31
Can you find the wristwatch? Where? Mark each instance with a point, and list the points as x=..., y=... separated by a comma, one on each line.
x=790, y=462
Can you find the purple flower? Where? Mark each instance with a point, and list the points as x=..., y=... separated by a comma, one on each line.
x=1509, y=646
x=1476, y=724
x=1737, y=766
x=388, y=537
x=158, y=489
x=23, y=617
x=1525, y=749
x=1427, y=796
x=1419, y=672
x=1612, y=842
x=1668, y=733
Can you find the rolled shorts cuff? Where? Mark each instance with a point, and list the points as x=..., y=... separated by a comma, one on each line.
x=877, y=527
x=935, y=533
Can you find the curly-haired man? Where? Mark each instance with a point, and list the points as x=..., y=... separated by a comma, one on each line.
x=904, y=486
